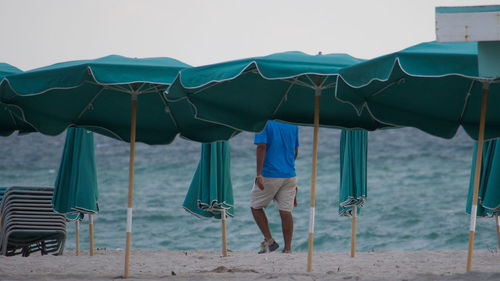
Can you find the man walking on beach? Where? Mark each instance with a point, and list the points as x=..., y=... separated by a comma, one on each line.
x=277, y=149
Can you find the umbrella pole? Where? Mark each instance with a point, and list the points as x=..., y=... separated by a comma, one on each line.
x=477, y=176
x=353, y=233
x=498, y=229
x=77, y=226
x=130, y=184
x=313, y=175
x=224, y=238
x=91, y=234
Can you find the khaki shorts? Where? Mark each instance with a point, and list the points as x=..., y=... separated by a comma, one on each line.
x=281, y=190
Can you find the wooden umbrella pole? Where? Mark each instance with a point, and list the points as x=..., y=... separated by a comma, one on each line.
x=130, y=184
x=224, y=238
x=477, y=176
x=353, y=233
x=498, y=229
x=91, y=234
x=313, y=175
x=77, y=226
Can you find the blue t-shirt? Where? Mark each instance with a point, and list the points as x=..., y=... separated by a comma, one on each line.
x=281, y=140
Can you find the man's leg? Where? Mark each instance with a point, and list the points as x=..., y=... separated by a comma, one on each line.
x=287, y=227
x=261, y=219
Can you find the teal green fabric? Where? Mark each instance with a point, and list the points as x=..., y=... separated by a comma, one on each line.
x=211, y=190
x=353, y=159
x=245, y=94
x=431, y=86
x=97, y=95
x=7, y=69
x=9, y=123
x=488, y=203
x=75, y=189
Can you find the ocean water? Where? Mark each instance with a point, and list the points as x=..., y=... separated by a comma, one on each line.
x=417, y=189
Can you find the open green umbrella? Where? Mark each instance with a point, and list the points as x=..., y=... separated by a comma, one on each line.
x=245, y=94
x=431, y=86
x=8, y=121
x=435, y=87
x=352, y=191
x=75, y=189
x=97, y=95
x=211, y=192
x=116, y=96
x=489, y=186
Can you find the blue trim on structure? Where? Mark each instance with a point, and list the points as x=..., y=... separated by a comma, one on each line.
x=468, y=9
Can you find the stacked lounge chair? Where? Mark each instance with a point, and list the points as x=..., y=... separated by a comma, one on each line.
x=28, y=222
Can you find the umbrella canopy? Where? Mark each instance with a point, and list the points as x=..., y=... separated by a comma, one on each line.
x=353, y=155
x=431, y=86
x=8, y=121
x=489, y=186
x=75, y=189
x=7, y=69
x=245, y=93
x=96, y=94
x=211, y=190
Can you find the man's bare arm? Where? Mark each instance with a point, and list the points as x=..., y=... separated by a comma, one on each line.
x=261, y=154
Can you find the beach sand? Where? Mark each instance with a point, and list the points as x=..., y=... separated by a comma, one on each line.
x=210, y=265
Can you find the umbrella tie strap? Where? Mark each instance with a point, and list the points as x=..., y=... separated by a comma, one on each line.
x=284, y=98
x=89, y=106
x=466, y=102
x=7, y=107
x=399, y=82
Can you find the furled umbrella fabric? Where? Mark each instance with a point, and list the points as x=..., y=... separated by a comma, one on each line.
x=489, y=187
x=352, y=191
x=431, y=86
x=9, y=123
x=211, y=190
x=76, y=183
x=75, y=189
x=353, y=170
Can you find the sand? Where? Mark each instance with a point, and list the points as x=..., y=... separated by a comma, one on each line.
x=210, y=265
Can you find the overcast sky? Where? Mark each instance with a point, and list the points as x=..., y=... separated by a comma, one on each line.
x=36, y=33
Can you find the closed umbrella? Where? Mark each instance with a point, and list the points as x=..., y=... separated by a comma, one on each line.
x=75, y=189
x=245, y=94
x=211, y=192
x=115, y=96
x=352, y=191
x=435, y=87
x=489, y=186
x=8, y=121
